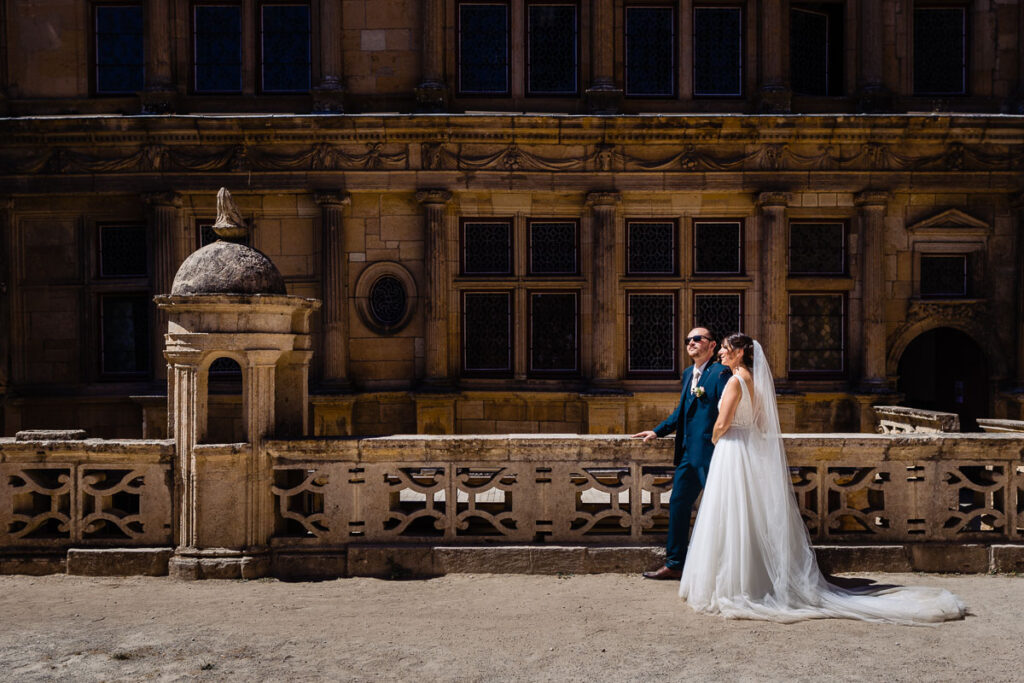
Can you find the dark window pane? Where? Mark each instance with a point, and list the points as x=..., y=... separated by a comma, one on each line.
x=716, y=248
x=226, y=369
x=487, y=332
x=650, y=51
x=719, y=313
x=123, y=251
x=554, y=332
x=387, y=301
x=285, y=48
x=483, y=47
x=652, y=248
x=652, y=333
x=119, y=51
x=717, y=50
x=205, y=235
x=817, y=248
x=944, y=275
x=816, y=333
x=551, y=66
x=553, y=248
x=487, y=248
x=808, y=51
x=125, y=333
x=940, y=57
x=218, y=48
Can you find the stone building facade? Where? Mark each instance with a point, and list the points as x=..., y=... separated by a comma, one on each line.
x=514, y=211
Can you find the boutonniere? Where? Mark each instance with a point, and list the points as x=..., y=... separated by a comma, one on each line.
x=698, y=392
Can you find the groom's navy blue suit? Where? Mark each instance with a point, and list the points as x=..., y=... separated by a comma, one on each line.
x=693, y=421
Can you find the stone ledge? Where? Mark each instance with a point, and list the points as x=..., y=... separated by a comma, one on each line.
x=118, y=561
x=33, y=563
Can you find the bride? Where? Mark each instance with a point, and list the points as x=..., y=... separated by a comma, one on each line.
x=750, y=556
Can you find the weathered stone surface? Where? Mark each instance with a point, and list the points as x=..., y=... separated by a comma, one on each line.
x=118, y=561
x=947, y=557
x=50, y=435
x=33, y=564
x=307, y=566
x=834, y=559
x=391, y=562
x=627, y=560
x=214, y=566
x=227, y=268
x=1007, y=558
x=487, y=560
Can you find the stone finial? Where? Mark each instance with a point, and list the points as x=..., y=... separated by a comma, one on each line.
x=230, y=225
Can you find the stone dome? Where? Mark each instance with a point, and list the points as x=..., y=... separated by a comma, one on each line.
x=227, y=268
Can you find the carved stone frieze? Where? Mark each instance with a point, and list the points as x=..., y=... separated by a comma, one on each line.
x=972, y=310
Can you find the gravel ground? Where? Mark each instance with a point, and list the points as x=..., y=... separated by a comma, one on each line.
x=463, y=627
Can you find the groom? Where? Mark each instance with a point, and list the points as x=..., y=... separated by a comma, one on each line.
x=692, y=421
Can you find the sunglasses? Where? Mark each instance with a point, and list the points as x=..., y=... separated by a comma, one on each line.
x=697, y=338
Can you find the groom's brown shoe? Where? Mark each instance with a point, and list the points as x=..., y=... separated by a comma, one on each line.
x=664, y=574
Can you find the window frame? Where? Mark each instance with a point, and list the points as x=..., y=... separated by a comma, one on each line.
x=673, y=373
x=260, y=87
x=94, y=64
x=742, y=46
x=578, y=52
x=532, y=372
x=965, y=294
x=102, y=374
x=845, y=227
x=676, y=248
x=843, y=297
x=511, y=223
x=741, y=244
x=510, y=293
x=738, y=293
x=639, y=4
x=99, y=228
x=194, y=63
x=459, y=91
x=835, y=54
x=965, y=53
x=529, y=247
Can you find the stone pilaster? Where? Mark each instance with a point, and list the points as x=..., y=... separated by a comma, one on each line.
x=158, y=96
x=872, y=207
x=431, y=93
x=167, y=253
x=334, y=289
x=258, y=403
x=6, y=205
x=4, y=77
x=186, y=400
x=1018, y=246
x=603, y=96
x=774, y=297
x=774, y=93
x=604, y=373
x=329, y=93
x=436, y=329
x=872, y=95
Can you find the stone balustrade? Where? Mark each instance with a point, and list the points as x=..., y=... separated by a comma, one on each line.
x=900, y=420
x=1000, y=426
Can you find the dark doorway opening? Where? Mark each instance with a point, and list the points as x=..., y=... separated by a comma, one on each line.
x=944, y=369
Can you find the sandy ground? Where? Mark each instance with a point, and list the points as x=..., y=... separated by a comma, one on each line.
x=475, y=627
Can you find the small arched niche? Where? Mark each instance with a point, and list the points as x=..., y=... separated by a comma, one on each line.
x=225, y=418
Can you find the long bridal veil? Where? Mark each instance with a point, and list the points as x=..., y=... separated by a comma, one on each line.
x=750, y=556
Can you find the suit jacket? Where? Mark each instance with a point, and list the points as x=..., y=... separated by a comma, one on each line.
x=694, y=418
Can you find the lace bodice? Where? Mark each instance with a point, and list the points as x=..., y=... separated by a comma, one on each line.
x=744, y=416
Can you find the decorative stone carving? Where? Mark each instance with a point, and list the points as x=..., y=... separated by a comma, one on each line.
x=371, y=277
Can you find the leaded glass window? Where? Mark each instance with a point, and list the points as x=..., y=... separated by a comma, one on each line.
x=483, y=47
x=944, y=275
x=124, y=334
x=487, y=247
x=123, y=251
x=817, y=248
x=487, y=332
x=552, y=53
x=650, y=51
x=387, y=301
x=119, y=52
x=217, y=44
x=651, y=248
x=553, y=248
x=717, y=248
x=652, y=334
x=285, y=50
x=940, y=51
x=817, y=333
x=809, y=51
x=554, y=333
x=717, y=51
x=721, y=314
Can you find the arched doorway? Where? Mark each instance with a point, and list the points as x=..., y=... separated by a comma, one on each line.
x=944, y=369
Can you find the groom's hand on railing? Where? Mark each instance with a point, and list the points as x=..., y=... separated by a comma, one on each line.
x=646, y=435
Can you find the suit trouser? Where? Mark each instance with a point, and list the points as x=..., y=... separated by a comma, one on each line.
x=686, y=486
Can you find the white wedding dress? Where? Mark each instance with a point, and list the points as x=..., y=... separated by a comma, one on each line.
x=750, y=555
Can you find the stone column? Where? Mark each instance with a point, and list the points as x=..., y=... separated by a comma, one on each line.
x=603, y=97
x=329, y=93
x=604, y=372
x=6, y=205
x=185, y=402
x=4, y=78
x=872, y=261
x=438, y=279
x=872, y=95
x=432, y=94
x=159, y=93
x=167, y=253
x=774, y=94
x=774, y=297
x=1018, y=249
x=258, y=403
x=335, y=289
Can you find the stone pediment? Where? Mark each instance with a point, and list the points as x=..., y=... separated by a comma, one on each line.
x=952, y=221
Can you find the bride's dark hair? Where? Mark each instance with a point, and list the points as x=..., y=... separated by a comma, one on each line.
x=740, y=341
